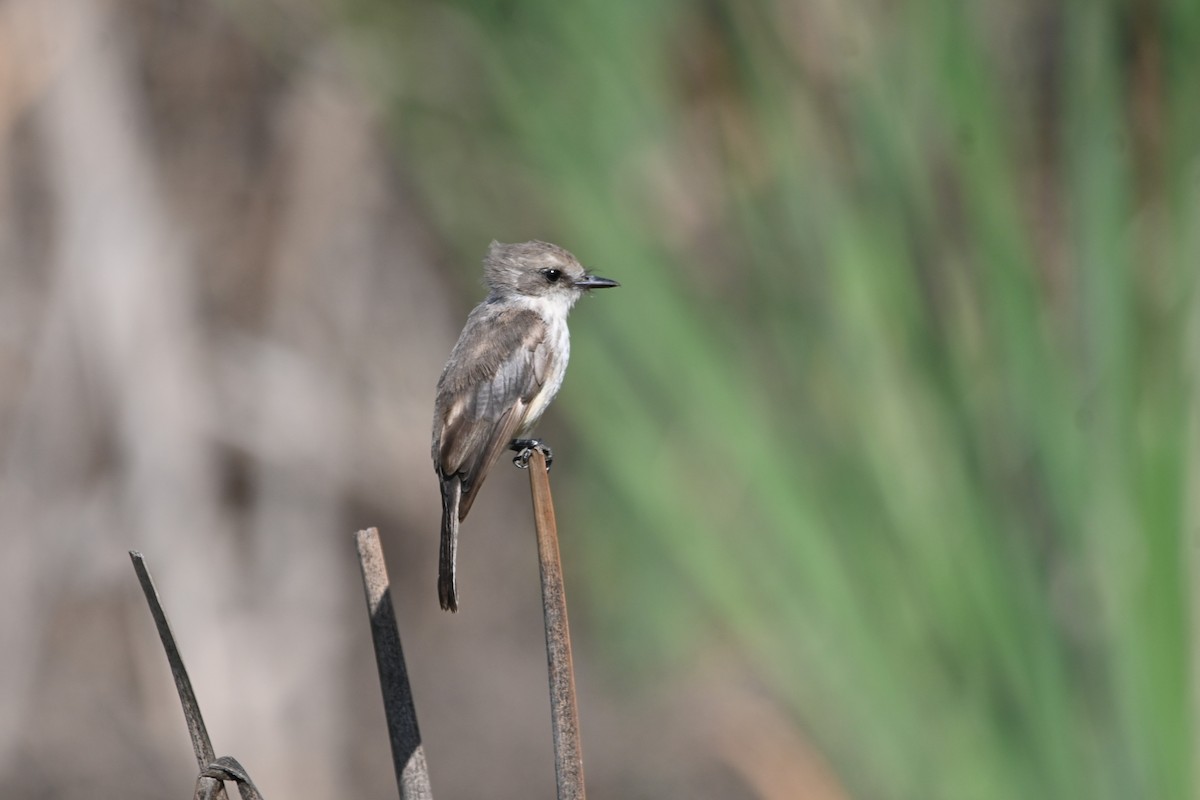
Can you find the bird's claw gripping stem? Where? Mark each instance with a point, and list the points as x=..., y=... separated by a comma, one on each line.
x=524, y=449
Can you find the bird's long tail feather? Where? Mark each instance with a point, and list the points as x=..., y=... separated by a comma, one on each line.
x=447, y=587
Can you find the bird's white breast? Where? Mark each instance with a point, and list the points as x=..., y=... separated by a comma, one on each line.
x=558, y=338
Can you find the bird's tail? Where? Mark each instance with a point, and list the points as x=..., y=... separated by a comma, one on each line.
x=447, y=588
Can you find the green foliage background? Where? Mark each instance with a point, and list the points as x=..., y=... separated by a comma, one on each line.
x=896, y=398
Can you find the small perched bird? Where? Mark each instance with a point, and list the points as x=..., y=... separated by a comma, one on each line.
x=506, y=368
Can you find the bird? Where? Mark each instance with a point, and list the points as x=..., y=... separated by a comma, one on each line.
x=503, y=372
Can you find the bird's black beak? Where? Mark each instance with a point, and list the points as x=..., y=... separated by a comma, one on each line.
x=595, y=282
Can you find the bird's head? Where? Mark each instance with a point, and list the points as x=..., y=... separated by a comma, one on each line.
x=539, y=271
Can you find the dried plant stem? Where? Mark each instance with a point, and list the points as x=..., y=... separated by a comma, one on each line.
x=408, y=756
x=564, y=711
x=213, y=771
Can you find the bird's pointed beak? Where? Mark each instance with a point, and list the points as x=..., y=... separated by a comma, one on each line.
x=595, y=282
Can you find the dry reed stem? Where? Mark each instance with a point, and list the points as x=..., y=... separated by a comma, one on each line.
x=408, y=755
x=213, y=771
x=564, y=710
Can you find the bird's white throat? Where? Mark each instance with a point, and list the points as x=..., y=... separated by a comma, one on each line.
x=549, y=307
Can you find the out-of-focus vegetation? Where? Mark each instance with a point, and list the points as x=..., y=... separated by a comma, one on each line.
x=896, y=399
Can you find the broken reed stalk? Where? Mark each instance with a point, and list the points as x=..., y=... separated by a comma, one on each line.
x=213, y=771
x=564, y=711
x=408, y=755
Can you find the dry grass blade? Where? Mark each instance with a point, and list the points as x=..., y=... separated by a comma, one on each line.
x=201, y=744
x=564, y=711
x=408, y=755
x=213, y=771
x=227, y=768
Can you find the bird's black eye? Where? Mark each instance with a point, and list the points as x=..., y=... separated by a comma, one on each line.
x=552, y=275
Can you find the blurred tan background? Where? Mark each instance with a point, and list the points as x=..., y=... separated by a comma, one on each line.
x=222, y=316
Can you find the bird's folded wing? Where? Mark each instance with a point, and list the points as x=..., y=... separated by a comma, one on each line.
x=494, y=372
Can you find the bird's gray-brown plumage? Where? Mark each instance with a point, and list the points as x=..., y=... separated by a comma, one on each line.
x=505, y=369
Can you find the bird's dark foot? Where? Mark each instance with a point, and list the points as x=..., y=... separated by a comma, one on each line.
x=524, y=449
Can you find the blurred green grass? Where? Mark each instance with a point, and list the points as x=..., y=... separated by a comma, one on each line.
x=896, y=399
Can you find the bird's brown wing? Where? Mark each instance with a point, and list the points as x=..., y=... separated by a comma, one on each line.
x=495, y=370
